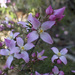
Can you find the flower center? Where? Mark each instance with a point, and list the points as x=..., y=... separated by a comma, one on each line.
x=39, y=56
x=29, y=24
x=9, y=53
x=40, y=30
x=11, y=37
x=22, y=48
x=59, y=54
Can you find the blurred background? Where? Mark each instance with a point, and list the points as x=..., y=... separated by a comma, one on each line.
x=63, y=33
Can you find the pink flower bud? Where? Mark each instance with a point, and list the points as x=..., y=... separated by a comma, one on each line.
x=37, y=15
x=59, y=61
x=52, y=17
x=33, y=54
x=49, y=10
x=12, y=67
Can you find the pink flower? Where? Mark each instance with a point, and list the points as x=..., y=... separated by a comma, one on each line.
x=58, y=14
x=10, y=52
x=37, y=15
x=13, y=35
x=49, y=10
x=59, y=55
x=39, y=55
x=73, y=71
x=36, y=73
x=56, y=71
x=39, y=31
x=33, y=54
x=24, y=48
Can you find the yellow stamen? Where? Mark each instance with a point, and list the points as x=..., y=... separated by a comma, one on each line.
x=29, y=24
x=9, y=54
x=11, y=37
x=40, y=30
x=39, y=56
x=59, y=54
x=22, y=47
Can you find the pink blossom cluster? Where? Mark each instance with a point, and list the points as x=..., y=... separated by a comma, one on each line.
x=17, y=47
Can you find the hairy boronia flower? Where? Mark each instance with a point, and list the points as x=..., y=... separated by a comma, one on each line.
x=55, y=71
x=55, y=14
x=10, y=51
x=39, y=30
x=59, y=55
x=24, y=48
x=12, y=35
x=39, y=55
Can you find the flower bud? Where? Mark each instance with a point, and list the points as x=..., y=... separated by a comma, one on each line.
x=49, y=10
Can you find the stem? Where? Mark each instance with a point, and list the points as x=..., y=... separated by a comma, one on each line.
x=34, y=47
x=23, y=67
x=31, y=52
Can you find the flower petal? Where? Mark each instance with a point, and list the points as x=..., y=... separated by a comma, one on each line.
x=16, y=34
x=54, y=58
x=49, y=10
x=55, y=50
x=35, y=22
x=73, y=71
x=32, y=36
x=4, y=52
x=20, y=41
x=22, y=23
x=11, y=34
x=64, y=51
x=12, y=44
x=18, y=56
x=9, y=61
x=25, y=56
x=15, y=50
x=28, y=46
x=46, y=74
x=63, y=59
x=61, y=73
x=46, y=37
x=47, y=25
x=59, y=12
x=43, y=57
x=36, y=73
x=7, y=42
x=55, y=70
x=41, y=53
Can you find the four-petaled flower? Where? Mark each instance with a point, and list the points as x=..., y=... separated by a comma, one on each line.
x=59, y=55
x=24, y=48
x=13, y=35
x=55, y=71
x=39, y=31
x=10, y=52
x=39, y=55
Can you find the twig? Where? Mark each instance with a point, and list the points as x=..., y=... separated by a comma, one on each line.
x=31, y=52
